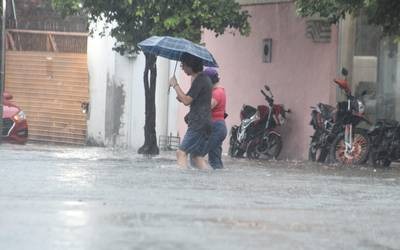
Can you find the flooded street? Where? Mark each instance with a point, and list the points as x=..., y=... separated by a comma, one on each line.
x=54, y=197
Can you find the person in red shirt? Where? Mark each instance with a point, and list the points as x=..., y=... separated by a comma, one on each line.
x=219, y=131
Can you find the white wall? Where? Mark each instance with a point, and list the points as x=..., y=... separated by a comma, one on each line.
x=162, y=96
x=117, y=118
x=173, y=105
x=99, y=66
x=365, y=69
x=166, y=109
x=125, y=77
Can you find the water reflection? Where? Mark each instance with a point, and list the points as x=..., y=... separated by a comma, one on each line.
x=120, y=201
x=74, y=218
x=75, y=174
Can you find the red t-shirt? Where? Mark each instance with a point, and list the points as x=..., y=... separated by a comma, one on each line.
x=218, y=111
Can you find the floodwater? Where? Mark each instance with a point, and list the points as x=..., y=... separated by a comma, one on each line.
x=54, y=197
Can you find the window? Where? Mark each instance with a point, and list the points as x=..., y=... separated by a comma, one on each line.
x=374, y=65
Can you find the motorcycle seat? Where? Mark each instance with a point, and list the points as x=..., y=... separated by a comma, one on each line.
x=247, y=111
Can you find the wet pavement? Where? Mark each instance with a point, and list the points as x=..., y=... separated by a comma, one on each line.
x=54, y=197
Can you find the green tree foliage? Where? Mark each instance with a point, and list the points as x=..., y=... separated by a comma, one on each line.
x=141, y=19
x=132, y=21
x=384, y=13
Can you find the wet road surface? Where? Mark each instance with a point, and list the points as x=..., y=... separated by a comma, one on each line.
x=54, y=197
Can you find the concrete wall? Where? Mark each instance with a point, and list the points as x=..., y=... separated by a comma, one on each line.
x=117, y=99
x=364, y=70
x=364, y=77
x=300, y=74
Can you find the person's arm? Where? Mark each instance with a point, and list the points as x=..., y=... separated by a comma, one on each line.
x=180, y=95
x=213, y=103
x=216, y=97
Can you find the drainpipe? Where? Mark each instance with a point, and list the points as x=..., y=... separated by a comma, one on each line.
x=3, y=52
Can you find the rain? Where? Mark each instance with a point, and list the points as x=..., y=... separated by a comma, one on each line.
x=94, y=108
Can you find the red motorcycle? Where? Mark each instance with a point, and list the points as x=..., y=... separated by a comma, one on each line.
x=256, y=135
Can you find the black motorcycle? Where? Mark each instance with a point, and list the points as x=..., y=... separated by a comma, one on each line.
x=323, y=122
x=385, y=140
x=257, y=135
x=336, y=137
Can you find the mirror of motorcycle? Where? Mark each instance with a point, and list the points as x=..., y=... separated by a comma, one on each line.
x=345, y=72
x=267, y=87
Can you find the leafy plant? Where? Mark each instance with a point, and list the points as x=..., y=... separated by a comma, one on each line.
x=384, y=13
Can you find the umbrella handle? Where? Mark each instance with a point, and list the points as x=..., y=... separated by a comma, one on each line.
x=169, y=88
x=175, y=67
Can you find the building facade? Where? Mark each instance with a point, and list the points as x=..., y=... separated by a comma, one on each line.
x=304, y=55
x=297, y=57
x=299, y=68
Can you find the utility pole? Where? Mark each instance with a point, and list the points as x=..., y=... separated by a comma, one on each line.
x=2, y=70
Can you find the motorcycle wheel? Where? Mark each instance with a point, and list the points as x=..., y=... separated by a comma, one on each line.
x=271, y=146
x=315, y=152
x=251, y=151
x=234, y=151
x=379, y=161
x=231, y=148
x=361, y=147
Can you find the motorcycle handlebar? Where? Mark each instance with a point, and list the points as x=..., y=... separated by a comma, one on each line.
x=269, y=99
x=262, y=92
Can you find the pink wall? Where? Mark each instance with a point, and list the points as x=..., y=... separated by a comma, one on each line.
x=300, y=74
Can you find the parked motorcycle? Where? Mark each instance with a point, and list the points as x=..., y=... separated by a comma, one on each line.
x=336, y=136
x=385, y=141
x=257, y=135
x=323, y=122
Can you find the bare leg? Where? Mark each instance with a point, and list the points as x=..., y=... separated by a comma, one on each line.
x=181, y=158
x=200, y=162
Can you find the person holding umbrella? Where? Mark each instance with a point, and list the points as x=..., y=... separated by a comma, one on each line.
x=198, y=119
x=193, y=57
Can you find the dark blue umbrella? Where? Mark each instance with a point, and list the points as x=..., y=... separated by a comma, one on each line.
x=173, y=48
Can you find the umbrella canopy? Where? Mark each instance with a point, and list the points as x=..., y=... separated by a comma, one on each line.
x=173, y=48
